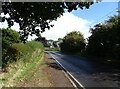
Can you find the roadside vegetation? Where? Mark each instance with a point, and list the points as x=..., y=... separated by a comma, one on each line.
x=18, y=58
x=9, y=54
x=104, y=43
x=73, y=42
x=102, y=46
x=55, y=49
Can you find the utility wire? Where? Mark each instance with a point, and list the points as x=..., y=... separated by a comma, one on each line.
x=105, y=15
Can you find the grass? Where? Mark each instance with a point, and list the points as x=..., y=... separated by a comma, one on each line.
x=30, y=55
x=35, y=77
x=56, y=49
x=30, y=69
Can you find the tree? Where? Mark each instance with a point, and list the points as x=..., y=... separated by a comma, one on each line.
x=50, y=40
x=73, y=42
x=60, y=39
x=105, y=40
x=43, y=40
x=30, y=15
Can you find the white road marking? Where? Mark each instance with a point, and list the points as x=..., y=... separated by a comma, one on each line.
x=69, y=74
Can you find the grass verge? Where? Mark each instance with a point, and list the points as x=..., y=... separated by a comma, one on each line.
x=30, y=55
x=55, y=49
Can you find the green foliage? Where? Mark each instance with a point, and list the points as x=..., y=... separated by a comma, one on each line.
x=20, y=51
x=51, y=40
x=55, y=49
x=73, y=42
x=30, y=15
x=105, y=40
x=60, y=39
x=30, y=55
x=27, y=49
x=43, y=40
x=9, y=36
x=9, y=55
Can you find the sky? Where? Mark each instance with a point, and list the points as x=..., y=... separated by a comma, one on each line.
x=81, y=20
x=78, y=20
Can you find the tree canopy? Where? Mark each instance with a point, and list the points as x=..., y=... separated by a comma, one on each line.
x=73, y=42
x=30, y=15
x=105, y=39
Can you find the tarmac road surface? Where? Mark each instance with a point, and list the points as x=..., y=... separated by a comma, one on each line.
x=89, y=74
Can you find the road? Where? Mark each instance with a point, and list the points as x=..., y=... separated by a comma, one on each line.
x=89, y=74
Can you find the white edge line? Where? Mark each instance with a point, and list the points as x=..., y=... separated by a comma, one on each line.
x=69, y=79
x=70, y=75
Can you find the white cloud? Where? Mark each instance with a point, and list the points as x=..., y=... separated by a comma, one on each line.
x=5, y=25
x=67, y=23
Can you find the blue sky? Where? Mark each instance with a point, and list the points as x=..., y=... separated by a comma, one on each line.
x=97, y=11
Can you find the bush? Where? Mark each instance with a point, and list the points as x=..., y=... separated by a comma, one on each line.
x=10, y=36
x=9, y=53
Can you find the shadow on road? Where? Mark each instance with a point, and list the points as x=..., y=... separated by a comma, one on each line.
x=54, y=65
